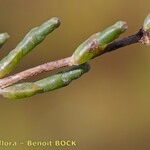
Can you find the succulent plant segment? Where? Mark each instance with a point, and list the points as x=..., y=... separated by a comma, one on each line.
x=53, y=82
x=96, y=45
x=146, y=25
x=3, y=38
x=31, y=40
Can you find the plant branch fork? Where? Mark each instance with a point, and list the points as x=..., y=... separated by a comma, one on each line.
x=95, y=46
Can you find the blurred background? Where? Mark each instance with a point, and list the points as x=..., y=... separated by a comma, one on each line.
x=107, y=108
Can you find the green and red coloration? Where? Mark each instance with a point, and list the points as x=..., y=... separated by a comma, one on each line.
x=95, y=45
x=3, y=38
x=31, y=40
x=53, y=82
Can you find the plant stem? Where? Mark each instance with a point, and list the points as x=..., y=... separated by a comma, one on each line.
x=136, y=38
x=34, y=71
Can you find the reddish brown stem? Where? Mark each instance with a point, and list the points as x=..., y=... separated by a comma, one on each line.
x=35, y=71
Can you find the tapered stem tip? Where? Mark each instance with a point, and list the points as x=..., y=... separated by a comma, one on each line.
x=55, y=20
x=122, y=25
x=4, y=37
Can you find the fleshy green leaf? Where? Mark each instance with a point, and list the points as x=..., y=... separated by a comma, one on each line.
x=146, y=25
x=31, y=40
x=53, y=82
x=3, y=38
x=95, y=45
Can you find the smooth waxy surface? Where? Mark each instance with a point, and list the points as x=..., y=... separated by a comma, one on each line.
x=62, y=79
x=146, y=25
x=3, y=38
x=95, y=45
x=21, y=91
x=53, y=82
x=31, y=40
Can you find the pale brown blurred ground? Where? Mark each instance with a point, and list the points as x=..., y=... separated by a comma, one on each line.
x=106, y=109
